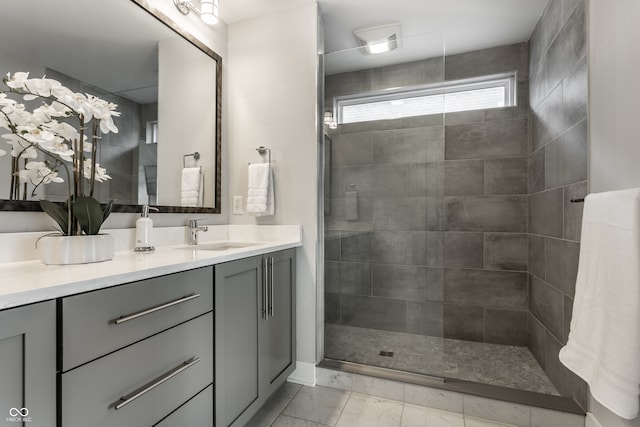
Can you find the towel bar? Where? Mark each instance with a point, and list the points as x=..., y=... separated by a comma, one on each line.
x=577, y=200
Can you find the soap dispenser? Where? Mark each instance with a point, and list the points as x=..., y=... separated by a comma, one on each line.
x=144, y=231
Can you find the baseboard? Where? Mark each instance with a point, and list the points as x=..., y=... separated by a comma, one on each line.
x=304, y=374
x=591, y=421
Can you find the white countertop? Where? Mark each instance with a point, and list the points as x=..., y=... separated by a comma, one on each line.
x=26, y=282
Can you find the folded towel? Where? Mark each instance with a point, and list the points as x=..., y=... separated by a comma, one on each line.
x=260, y=196
x=604, y=339
x=351, y=205
x=192, y=186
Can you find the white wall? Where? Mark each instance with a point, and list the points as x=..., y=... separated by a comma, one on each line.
x=214, y=37
x=614, y=92
x=272, y=102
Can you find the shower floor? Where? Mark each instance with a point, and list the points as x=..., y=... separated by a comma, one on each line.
x=501, y=365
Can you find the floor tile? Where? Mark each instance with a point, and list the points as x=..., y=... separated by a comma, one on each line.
x=419, y=416
x=274, y=406
x=476, y=422
x=367, y=411
x=505, y=412
x=547, y=418
x=318, y=404
x=287, y=421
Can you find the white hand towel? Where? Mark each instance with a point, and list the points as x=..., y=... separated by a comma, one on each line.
x=604, y=340
x=260, y=196
x=351, y=205
x=192, y=186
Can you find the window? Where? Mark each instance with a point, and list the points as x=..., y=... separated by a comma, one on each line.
x=461, y=95
x=152, y=132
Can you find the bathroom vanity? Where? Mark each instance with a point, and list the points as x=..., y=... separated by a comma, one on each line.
x=131, y=341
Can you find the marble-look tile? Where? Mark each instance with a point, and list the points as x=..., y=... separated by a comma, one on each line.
x=420, y=416
x=495, y=410
x=318, y=404
x=334, y=379
x=366, y=411
x=273, y=407
x=477, y=422
x=547, y=418
x=378, y=387
x=287, y=421
x=433, y=398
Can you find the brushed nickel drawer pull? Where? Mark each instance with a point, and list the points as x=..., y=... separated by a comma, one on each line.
x=123, y=319
x=125, y=400
x=271, y=285
x=265, y=303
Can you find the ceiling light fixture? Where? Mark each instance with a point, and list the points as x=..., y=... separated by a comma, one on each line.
x=378, y=39
x=208, y=10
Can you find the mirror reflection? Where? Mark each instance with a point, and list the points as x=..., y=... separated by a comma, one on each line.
x=165, y=86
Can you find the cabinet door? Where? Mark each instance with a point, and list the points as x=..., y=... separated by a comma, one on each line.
x=280, y=332
x=28, y=368
x=196, y=412
x=238, y=317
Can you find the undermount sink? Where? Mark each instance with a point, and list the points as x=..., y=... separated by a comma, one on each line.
x=220, y=246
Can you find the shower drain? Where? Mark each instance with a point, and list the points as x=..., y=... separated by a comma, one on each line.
x=386, y=353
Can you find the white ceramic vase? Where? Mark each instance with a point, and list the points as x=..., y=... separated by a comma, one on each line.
x=63, y=250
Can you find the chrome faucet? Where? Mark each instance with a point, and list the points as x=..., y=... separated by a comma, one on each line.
x=193, y=231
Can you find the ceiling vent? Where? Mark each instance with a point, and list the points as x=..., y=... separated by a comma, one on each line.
x=378, y=39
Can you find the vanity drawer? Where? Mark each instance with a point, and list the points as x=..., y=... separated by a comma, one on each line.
x=100, y=322
x=196, y=412
x=103, y=393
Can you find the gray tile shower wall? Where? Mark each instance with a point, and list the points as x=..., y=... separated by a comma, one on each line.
x=557, y=174
x=439, y=243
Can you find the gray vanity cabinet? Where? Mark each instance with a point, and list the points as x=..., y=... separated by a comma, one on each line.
x=28, y=368
x=255, y=333
x=135, y=353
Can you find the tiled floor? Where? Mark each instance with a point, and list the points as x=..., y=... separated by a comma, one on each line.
x=297, y=406
x=502, y=365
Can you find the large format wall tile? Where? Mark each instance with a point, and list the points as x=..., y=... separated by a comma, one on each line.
x=566, y=157
x=376, y=180
x=425, y=318
x=500, y=289
x=407, y=248
x=400, y=213
x=355, y=278
x=505, y=251
x=426, y=179
x=547, y=305
x=537, y=256
x=506, y=327
x=372, y=312
x=537, y=337
x=496, y=139
x=574, y=101
x=545, y=217
x=409, y=74
x=463, y=322
x=415, y=145
x=463, y=177
x=569, y=48
x=505, y=176
x=489, y=61
x=399, y=282
x=352, y=149
x=536, y=171
x=547, y=119
x=562, y=264
x=463, y=250
x=573, y=210
x=486, y=213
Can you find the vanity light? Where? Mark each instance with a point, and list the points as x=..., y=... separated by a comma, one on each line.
x=208, y=10
x=378, y=39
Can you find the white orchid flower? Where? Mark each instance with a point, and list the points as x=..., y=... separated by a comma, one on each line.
x=20, y=147
x=101, y=173
x=18, y=80
x=104, y=111
x=38, y=173
x=64, y=130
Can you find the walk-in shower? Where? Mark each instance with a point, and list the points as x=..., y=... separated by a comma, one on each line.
x=427, y=216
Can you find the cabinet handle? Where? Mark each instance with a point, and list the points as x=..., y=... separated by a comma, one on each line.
x=125, y=400
x=123, y=319
x=265, y=311
x=271, y=286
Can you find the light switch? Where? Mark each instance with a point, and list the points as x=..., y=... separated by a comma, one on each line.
x=237, y=205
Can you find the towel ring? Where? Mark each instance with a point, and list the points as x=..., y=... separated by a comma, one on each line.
x=262, y=151
x=196, y=157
